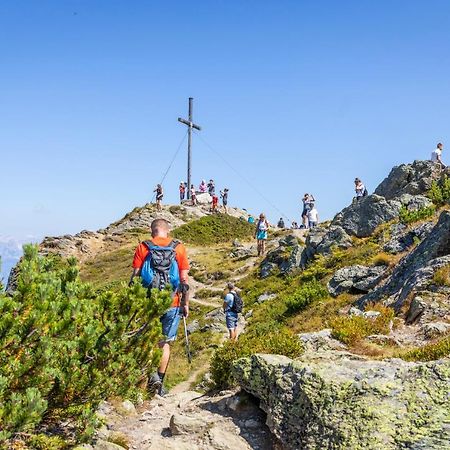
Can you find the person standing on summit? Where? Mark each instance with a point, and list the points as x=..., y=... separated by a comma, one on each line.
x=162, y=262
x=436, y=155
x=159, y=196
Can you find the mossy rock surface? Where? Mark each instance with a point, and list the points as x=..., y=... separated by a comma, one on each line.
x=340, y=401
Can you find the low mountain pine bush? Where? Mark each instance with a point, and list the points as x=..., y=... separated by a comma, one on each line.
x=63, y=349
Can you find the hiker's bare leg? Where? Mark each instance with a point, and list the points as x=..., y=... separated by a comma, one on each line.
x=165, y=357
x=263, y=247
x=234, y=337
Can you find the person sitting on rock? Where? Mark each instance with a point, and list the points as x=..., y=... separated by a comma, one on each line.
x=159, y=196
x=360, y=189
x=182, y=189
x=313, y=218
x=224, y=197
x=280, y=223
x=170, y=320
x=193, y=195
x=232, y=306
x=436, y=155
x=294, y=225
x=308, y=202
x=203, y=187
x=261, y=234
x=211, y=188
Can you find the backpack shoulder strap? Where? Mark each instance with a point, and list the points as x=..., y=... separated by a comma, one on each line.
x=174, y=243
x=149, y=244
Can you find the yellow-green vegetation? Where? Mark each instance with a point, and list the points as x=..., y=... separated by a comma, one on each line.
x=214, y=229
x=109, y=268
x=281, y=342
x=383, y=259
x=119, y=439
x=66, y=348
x=442, y=276
x=351, y=329
x=429, y=352
x=440, y=191
x=407, y=216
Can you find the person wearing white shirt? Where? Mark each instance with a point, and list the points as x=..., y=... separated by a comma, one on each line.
x=313, y=217
x=436, y=154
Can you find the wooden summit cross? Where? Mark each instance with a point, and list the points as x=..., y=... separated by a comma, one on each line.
x=191, y=125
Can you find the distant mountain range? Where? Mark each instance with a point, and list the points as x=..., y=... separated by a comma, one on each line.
x=10, y=253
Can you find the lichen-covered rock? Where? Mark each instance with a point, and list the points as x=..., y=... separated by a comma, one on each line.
x=355, y=279
x=362, y=217
x=332, y=400
x=320, y=340
x=322, y=241
x=403, y=238
x=414, y=179
x=415, y=270
x=286, y=257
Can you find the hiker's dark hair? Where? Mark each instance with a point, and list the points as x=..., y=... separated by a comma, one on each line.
x=439, y=143
x=159, y=224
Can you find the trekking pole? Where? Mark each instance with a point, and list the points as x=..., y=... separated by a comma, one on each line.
x=184, y=291
x=188, y=351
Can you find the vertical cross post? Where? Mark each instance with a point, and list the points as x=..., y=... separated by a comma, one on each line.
x=191, y=125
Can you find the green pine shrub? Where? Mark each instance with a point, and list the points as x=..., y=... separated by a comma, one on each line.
x=64, y=348
x=304, y=295
x=276, y=341
x=406, y=216
x=439, y=192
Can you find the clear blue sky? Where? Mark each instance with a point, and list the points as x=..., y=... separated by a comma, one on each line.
x=300, y=96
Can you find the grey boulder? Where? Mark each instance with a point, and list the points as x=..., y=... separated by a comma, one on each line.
x=355, y=279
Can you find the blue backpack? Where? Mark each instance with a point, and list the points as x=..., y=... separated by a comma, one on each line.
x=160, y=268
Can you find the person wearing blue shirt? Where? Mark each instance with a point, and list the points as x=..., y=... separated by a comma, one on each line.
x=231, y=316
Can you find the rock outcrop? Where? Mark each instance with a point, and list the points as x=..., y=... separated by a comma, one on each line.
x=415, y=270
x=355, y=279
x=321, y=241
x=341, y=401
x=402, y=238
x=286, y=257
x=362, y=217
x=413, y=179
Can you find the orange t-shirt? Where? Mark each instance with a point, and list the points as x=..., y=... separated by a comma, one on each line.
x=180, y=254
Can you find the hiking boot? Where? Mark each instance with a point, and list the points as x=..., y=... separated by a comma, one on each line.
x=154, y=384
x=161, y=391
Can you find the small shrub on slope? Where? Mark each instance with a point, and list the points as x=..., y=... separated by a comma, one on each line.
x=351, y=329
x=281, y=342
x=214, y=229
x=442, y=276
x=63, y=349
x=429, y=352
x=305, y=295
x=406, y=216
x=440, y=191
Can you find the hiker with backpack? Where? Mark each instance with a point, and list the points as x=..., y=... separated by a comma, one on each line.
x=232, y=307
x=308, y=203
x=159, y=196
x=224, y=197
x=261, y=234
x=280, y=223
x=182, y=189
x=162, y=263
x=360, y=189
